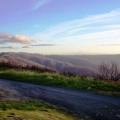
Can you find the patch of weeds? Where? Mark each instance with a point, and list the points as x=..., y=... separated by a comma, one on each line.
x=25, y=105
x=32, y=110
x=49, y=78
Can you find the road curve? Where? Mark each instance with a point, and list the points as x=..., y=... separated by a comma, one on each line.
x=98, y=107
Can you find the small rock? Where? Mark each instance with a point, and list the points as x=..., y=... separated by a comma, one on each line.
x=86, y=117
x=88, y=88
x=118, y=116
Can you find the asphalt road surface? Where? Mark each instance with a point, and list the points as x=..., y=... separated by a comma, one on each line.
x=98, y=107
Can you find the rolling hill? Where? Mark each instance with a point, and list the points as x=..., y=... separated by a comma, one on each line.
x=82, y=64
x=45, y=61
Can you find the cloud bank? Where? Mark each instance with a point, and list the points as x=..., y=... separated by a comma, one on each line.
x=28, y=46
x=9, y=47
x=45, y=45
x=108, y=45
x=9, y=38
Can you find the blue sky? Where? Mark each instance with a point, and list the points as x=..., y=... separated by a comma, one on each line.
x=60, y=26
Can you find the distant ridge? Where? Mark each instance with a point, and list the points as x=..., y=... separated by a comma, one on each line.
x=45, y=61
x=81, y=64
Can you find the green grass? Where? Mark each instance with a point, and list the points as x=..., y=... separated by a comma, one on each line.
x=32, y=110
x=56, y=79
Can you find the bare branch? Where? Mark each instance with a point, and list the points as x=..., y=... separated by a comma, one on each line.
x=108, y=71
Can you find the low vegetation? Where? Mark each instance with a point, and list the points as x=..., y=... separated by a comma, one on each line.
x=32, y=110
x=108, y=71
x=10, y=65
x=77, y=82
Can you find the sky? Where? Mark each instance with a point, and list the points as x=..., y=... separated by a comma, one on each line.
x=60, y=26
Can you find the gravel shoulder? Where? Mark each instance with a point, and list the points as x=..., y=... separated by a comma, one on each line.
x=98, y=107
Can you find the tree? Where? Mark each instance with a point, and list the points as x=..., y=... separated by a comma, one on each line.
x=109, y=71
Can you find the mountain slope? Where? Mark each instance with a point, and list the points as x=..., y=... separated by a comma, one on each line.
x=75, y=61
x=43, y=61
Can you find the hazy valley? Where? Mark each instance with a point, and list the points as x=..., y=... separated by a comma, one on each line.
x=82, y=64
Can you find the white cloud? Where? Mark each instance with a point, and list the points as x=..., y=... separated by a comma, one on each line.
x=87, y=28
x=104, y=36
x=27, y=46
x=76, y=30
x=9, y=38
x=108, y=45
x=4, y=35
x=15, y=6
x=9, y=47
x=45, y=45
x=40, y=3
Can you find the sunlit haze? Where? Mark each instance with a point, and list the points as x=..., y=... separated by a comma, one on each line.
x=60, y=26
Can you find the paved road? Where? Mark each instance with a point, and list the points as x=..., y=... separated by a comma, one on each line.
x=98, y=107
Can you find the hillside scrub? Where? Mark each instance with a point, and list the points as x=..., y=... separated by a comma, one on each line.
x=59, y=80
x=108, y=71
x=15, y=65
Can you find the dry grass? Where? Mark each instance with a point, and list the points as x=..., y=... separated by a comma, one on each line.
x=32, y=110
x=33, y=115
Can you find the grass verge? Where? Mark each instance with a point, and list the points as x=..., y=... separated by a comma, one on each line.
x=56, y=79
